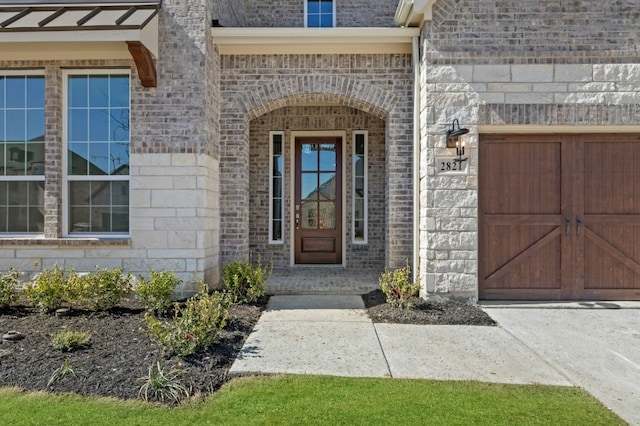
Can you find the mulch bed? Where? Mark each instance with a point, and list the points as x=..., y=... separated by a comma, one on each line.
x=121, y=350
x=434, y=312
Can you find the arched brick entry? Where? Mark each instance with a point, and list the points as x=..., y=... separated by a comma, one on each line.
x=248, y=99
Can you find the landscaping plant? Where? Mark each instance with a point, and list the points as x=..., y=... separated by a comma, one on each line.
x=398, y=287
x=156, y=292
x=61, y=372
x=195, y=325
x=8, y=283
x=161, y=385
x=104, y=288
x=246, y=282
x=68, y=341
x=51, y=289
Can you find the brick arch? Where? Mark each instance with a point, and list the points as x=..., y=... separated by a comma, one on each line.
x=308, y=90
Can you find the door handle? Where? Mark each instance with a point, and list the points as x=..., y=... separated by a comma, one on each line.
x=567, y=224
x=578, y=225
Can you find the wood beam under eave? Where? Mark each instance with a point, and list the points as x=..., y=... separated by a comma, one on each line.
x=144, y=63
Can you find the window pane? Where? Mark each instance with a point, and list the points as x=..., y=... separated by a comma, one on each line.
x=99, y=125
x=309, y=157
x=120, y=195
x=277, y=187
x=359, y=187
x=309, y=215
x=78, y=125
x=35, y=125
x=327, y=157
x=313, y=6
x=119, y=94
x=277, y=230
x=326, y=21
x=327, y=219
x=360, y=144
x=16, y=125
x=277, y=145
x=326, y=6
x=98, y=91
x=99, y=159
x=119, y=126
x=78, y=94
x=16, y=92
x=2, y=127
x=4, y=219
x=309, y=186
x=35, y=92
x=327, y=189
x=78, y=154
x=21, y=206
x=358, y=209
x=2, y=88
x=359, y=166
x=278, y=168
x=119, y=158
x=277, y=209
x=80, y=219
x=79, y=193
x=99, y=206
x=313, y=21
x=35, y=156
x=359, y=230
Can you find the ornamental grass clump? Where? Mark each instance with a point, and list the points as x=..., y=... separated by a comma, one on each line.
x=8, y=284
x=195, y=325
x=69, y=341
x=156, y=292
x=161, y=385
x=398, y=287
x=246, y=282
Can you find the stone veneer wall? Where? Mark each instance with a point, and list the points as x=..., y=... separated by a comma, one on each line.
x=288, y=119
x=174, y=171
x=254, y=85
x=290, y=13
x=504, y=62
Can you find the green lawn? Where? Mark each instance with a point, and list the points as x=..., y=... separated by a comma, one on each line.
x=300, y=400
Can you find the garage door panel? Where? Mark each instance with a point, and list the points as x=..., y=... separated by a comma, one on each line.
x=584, y=187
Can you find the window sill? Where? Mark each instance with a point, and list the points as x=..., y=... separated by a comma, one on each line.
x=65, y=242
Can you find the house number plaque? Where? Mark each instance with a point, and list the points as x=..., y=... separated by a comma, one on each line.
x=452, y=166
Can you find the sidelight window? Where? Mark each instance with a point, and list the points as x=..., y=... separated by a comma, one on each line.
x=360, y=187
x=276, y=188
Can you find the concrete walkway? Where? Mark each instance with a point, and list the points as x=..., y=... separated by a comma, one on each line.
x=597, y=349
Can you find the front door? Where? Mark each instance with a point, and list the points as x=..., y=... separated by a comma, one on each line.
x=318, y=200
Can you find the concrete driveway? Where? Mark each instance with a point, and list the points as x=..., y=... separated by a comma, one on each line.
x=596, y=349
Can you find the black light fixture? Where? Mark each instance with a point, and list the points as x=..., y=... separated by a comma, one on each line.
x=453, y=139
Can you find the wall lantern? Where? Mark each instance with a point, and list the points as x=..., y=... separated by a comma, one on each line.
x=453, y=139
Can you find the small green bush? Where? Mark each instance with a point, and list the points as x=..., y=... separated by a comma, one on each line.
x=156, y=292
x=8, y=283
x=245, y=281
x=398, y=288
x=51, y=289
x=68, y=341
x=161, y=384
x=102, y=289
x=194, y=326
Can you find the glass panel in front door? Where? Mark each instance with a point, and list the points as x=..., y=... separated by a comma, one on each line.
x=318, y=186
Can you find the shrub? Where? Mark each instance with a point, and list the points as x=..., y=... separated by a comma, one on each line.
x=156, y=292
x=68, y=341
x=8, y=283
x=194, y=326
x=398, y=288
x=245, y=281
x=50, y=289
x=162, y=385
x=102, y=289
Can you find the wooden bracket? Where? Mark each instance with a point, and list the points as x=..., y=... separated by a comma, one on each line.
x=144, y=63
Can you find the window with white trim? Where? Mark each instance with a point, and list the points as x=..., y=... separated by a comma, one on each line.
x=360, y=187
x=96, y=187
x=22, y=152
x=276, y=188
x=320, y=13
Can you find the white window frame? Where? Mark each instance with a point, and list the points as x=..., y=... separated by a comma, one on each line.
x=365, y=239
x=26, y=178
x=306, y=14
x=271, y=189
x=66, y=178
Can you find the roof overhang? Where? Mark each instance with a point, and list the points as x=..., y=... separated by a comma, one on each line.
x=82, y=30
x=242, y=41
x=411, y=13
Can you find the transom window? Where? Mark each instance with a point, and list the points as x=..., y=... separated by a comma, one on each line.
x=22, y=153
x=320, y=13
x=97, y=161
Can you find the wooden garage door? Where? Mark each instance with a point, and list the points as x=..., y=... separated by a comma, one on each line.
x=560, y=217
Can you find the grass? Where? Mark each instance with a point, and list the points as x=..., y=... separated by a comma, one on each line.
x=325, y=401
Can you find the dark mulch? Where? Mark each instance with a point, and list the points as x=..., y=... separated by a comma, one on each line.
x=442, y=312
x=120, y=352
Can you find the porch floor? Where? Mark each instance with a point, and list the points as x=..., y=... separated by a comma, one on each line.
x=322, y=280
